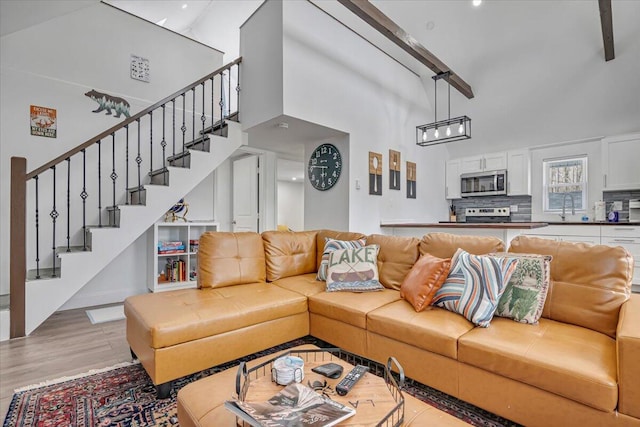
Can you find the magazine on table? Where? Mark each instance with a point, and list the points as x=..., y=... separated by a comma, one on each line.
x=295, y=405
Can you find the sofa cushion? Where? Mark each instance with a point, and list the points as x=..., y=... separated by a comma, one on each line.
x=444, y=245
x=474, y=286
x=322, y=235
x=434, y=329
x=305, y=284
x=331, y=245
x=568, y=360
x=589, y=283
x=395, y=259
x=289, y=253
x=426, y=276
x=226, y=259
x=349, y=307
x=523, y=298
x=185, y=315
x=354, y=270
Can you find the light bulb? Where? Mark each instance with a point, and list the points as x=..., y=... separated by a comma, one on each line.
x=460, y=128
x=436, y=134
x=477, y=3
x=448, y=130
x=424, y=135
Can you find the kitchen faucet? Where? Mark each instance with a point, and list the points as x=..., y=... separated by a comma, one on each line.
x=573, y=207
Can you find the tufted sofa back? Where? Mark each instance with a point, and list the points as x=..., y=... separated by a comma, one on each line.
x=589, y=283
x=289, y=253
x=227, y=259
x=444, y=245
x=395, y=259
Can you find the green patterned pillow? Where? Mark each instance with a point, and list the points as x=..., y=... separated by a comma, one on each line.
x=525, y=294
x=354, y=270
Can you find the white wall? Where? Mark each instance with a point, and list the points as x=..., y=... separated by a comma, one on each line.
x=261, y=71
x=336, y=79
x=291, y=204
x=54, y=63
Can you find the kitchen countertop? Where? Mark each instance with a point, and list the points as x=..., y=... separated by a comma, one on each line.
x=498, y=225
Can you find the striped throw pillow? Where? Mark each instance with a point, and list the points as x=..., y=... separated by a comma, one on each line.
x=331, y=245
x=475, y=285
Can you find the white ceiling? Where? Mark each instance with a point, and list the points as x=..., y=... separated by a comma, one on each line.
x=529, y=62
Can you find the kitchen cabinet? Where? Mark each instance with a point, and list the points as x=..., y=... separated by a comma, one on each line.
x=518, y=173
x=568, y=233
x=452, y=179
x=629, y=238
x=485, y=162
x=620, y=156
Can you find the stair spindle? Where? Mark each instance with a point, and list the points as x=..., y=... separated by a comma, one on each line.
x=83, y=196
x=163, y=144
x=126, y=201
x=99, y=184
x=114, y=175
x=221, y=103
x=139, y=161
x=229, y=96
x=193, y=113
x=213, y=120
x=54, y=216
x=36, y=178
x=173, y=109
x=150, y=143
x=238, y=95
x=183, y=128
x=203, y=118
x=68, y=160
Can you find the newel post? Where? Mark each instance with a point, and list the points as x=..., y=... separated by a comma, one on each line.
x=18, y=264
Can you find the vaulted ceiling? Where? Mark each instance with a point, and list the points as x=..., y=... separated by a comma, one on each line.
x=536, y=67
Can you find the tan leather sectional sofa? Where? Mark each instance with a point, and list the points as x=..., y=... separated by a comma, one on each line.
x=579, y=366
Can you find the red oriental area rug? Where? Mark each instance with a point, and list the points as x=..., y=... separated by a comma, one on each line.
x=124, y=396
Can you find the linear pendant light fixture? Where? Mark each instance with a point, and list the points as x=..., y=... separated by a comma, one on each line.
x=442, y=131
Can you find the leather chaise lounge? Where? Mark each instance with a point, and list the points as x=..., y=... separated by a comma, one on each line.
x=579, y=365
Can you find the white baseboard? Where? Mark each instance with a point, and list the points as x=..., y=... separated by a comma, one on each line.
x=99, y=298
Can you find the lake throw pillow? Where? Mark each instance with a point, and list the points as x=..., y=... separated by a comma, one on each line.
x=354, y=270
x=331, y=245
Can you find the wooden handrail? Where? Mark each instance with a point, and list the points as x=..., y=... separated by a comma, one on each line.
x=126, y=122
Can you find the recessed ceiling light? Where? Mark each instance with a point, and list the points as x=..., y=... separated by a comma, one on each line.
x=294, y=178
x=477, y=3
x=161, y=22
x=184, y=6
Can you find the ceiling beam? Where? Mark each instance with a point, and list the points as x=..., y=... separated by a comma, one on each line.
x=381, y=22
x=606, y=22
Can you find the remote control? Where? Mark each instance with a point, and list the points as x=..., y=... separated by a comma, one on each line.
x=346, y=384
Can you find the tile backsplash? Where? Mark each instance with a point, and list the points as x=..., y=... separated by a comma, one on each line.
x=624, y=196
x=523, y=203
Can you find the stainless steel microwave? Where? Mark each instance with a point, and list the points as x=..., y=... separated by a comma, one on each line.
x=487, y=183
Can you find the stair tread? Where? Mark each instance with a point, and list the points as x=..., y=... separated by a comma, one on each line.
x=159, y=171
x=178, y=156
x=45, y=273
x=73, y=248
x=221, y=123
x=112, y=208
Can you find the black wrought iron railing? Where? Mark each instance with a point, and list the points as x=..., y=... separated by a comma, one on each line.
x=87, y=172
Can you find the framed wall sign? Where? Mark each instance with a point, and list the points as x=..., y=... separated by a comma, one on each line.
x=411, y=180
x=43, y=121
x=375, y=173
x=140, y=68
x=394, y=170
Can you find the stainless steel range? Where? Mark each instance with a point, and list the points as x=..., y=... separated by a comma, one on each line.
x=476, y=215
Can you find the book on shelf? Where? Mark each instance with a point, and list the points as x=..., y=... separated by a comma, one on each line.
x=168, y=244
x=170, y=251
x=176, y=270
x=294, y=405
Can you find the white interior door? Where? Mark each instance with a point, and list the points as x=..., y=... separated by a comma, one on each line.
x=245, y=194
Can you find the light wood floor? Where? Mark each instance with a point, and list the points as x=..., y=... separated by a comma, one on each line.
x=66, y=344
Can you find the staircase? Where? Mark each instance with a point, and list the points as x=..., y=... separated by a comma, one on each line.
x=81, y=255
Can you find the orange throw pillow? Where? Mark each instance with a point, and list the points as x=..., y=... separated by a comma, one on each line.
x=425, y=278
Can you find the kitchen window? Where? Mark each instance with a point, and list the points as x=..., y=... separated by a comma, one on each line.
x=565, y=184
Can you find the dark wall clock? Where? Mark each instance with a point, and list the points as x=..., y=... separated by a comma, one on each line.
x=325, y=165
